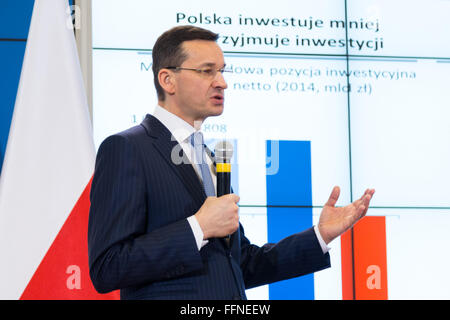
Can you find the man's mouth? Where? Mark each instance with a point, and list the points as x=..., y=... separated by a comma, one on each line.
x=218, y=98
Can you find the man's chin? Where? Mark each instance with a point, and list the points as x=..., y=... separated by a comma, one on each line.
x=216, y=110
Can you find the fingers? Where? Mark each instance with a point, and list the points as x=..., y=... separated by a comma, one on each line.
x=361, y=205
x=361, y=212
x=364, y=202
x=334, y=196
x=232, y=197
x=219, y=216
x=365, y=198
x=368, y=191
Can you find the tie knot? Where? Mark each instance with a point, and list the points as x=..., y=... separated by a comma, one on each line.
x=197, y=139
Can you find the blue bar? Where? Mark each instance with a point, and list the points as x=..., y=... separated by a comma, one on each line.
x=289, y=186
x=15, y=17
x=10, y=65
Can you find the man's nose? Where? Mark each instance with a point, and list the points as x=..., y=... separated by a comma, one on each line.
x=219, y=81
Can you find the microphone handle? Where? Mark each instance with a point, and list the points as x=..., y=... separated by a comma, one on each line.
x=223, y=183
x=223, y=171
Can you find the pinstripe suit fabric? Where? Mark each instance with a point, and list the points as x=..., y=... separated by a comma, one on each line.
x=140, y=241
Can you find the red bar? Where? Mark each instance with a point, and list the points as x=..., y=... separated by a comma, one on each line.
x=363, y=260
x=369, y=243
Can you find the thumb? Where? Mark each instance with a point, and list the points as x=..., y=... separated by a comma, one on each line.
x=334, y=196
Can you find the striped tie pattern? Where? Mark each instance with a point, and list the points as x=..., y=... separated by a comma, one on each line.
x=200, y=155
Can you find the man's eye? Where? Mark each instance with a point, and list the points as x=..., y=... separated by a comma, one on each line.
x=207, y=71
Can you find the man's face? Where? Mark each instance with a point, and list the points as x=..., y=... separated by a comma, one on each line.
x=199, y=95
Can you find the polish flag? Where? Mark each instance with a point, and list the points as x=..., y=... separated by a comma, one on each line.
x=48, y=165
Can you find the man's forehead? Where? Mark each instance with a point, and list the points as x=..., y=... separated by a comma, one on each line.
x=204, y=51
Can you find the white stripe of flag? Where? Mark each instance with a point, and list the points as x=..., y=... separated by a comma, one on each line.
x=50, y=154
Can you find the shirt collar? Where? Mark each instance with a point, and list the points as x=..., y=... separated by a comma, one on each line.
x=180, y=129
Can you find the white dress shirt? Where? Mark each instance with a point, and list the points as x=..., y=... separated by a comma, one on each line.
x=181, y=132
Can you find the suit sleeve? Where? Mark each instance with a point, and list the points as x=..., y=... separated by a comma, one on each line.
x=122, y=252
x=293, y=256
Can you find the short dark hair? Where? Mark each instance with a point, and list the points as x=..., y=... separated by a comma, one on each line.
x=167, y=50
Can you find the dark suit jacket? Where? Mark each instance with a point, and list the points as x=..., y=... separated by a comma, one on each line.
x=140, y=241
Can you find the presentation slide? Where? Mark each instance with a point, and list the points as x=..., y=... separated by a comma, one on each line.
x=321, y=93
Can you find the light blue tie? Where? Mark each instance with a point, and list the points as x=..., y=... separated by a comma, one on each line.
x=200, y=155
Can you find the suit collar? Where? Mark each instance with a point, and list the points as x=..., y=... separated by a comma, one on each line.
x=180, y=129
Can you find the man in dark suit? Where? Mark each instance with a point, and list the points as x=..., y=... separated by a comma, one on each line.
x=156, y=228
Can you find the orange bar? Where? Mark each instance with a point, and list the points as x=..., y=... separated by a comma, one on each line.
x=370, y=267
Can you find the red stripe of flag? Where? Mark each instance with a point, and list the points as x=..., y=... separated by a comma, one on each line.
x=64, y=271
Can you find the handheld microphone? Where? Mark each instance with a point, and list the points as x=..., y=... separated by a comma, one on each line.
x=223, y=152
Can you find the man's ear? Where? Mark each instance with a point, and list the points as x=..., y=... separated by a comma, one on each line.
x=166, y=81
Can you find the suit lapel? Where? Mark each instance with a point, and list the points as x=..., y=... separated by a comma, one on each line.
x=172, y=152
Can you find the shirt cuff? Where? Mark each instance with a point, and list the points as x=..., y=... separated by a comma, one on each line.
x=197, y=231
x=322, y=243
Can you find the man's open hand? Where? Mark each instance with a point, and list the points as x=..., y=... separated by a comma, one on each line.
x=334, y=221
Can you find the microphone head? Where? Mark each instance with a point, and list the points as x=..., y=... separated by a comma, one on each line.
x=223, y=151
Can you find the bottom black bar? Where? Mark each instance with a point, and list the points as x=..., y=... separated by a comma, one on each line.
x=254, y=309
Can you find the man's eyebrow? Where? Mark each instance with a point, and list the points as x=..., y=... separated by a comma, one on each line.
x=210, y=64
